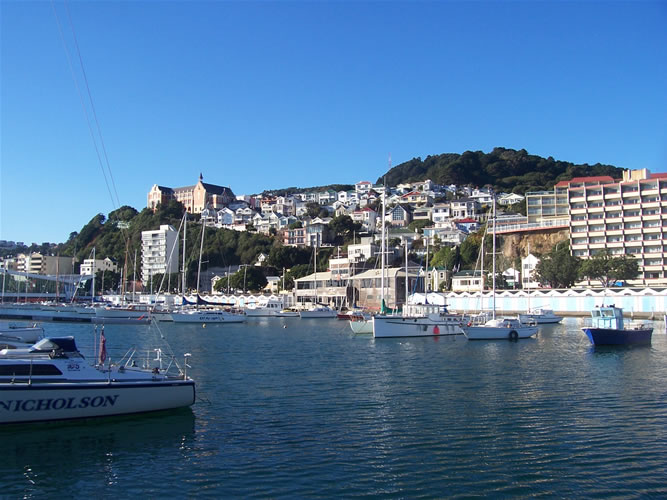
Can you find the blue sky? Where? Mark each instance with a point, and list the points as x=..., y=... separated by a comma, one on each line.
x=262, y=95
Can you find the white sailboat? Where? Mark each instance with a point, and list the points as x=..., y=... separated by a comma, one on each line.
x=417, y=320
x=538, y=315
x=196, y=313
x=498, y=328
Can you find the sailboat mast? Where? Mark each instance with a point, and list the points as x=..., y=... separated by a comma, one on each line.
x=201, y=248
x=185, y=231
x=382, y=244
x=134, y=276
x=529, y=281
x=406, y=273
x=426, y=277
x=315, y=266
x=494, y=256
x=92, y=292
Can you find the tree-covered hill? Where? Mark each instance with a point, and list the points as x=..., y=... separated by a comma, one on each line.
x=118, y=236
x=504, y=169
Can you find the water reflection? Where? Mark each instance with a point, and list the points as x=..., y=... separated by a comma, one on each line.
x=54, y=457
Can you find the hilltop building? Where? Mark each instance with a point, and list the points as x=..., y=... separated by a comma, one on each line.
x=195, y=198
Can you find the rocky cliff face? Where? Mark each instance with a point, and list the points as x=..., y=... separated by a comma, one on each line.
x=512, y=247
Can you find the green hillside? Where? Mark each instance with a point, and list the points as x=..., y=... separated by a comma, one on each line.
x=504, y=169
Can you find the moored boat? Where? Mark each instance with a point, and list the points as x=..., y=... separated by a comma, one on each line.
x=30, y=333
x=418, y=320
x=198, y=315
x=608, y=328
x=499, y=329
x=271, y=307
x=51, y=380
x=361, y=323
x=540, y=316
x=318, y=311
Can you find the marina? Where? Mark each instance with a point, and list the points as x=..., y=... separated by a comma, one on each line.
x=291, y=408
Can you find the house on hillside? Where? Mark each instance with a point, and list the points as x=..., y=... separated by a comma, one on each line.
x=400, y=215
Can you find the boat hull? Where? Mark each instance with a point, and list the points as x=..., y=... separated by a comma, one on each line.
x=206, y=318
x=406, y=326
x=317, y=314
x=361, y=326
x=612, y=336
x=499, y=333
x=539, y=319
x=21, y=403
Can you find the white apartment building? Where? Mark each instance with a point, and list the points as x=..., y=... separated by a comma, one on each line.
x=159, y=252
x=96, y=265
x=363, y=251
x=441, y=214
x=627, y=217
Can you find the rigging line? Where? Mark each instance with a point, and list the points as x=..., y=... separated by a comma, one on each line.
x=81, y=99
x=92, y=105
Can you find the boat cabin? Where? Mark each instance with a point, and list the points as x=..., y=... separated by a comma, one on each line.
x=607, y=317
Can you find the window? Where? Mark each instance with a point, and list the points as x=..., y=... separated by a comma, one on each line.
x=27, y=369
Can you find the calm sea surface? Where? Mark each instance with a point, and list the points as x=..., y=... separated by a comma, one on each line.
x=291, y=408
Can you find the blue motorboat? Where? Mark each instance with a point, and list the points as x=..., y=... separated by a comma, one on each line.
x=608, y=328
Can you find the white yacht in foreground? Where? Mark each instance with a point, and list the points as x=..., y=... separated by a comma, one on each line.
x=51, y=380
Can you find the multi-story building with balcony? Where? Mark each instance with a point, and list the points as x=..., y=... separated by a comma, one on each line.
x=159, y=252
x=627, y=217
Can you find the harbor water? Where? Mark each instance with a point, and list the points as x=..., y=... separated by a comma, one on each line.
x=295, y=408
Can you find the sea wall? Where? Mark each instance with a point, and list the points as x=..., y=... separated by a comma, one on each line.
x=636, y=302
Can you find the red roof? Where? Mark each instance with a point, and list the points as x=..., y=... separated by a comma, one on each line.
x=583, y=180
x=661, y=175
x=465, y=221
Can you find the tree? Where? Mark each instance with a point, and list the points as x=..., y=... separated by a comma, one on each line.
x=608, y=269
x=558, y=268
x=343, y=228
x=469, y=250
x=286, y=257
x=446, y=257
x=313, y=209
x=247, y=278
x=419, y=224
x=298, y=271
